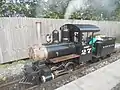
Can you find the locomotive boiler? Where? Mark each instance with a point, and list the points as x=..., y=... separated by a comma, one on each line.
x=47, y=52
x=77, y=45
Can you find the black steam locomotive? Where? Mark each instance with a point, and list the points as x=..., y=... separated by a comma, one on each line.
x=78, y=45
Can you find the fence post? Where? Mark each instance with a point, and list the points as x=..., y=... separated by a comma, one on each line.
x=1, y=56
x=39, y=32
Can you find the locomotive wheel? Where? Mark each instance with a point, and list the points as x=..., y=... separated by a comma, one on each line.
x=69, y=66
x=43, y=79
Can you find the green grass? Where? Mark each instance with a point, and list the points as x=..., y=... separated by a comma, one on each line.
x=6, y=65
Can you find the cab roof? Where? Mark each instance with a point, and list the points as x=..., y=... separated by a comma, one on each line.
x=81, y=27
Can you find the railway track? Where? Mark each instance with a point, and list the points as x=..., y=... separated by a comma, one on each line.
x=14, y=85
x=82, y=71
x=7, y=86
x=64, y=79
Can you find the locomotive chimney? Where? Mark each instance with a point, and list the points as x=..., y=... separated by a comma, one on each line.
x=55, y=36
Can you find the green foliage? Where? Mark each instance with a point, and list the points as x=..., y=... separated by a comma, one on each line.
x=117, y=14
x=89, y=14
x=20, y=9
x=17, y=9
x=55, y=15
x=82, y=15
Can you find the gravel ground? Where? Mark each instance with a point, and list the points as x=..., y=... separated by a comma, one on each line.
x=12, y=71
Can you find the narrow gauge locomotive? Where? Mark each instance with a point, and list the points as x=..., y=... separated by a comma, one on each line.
x=77, y=45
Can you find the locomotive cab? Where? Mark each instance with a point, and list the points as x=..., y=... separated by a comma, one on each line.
x=80, y=35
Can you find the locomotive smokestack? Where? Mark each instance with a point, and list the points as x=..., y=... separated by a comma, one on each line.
x=55, y=36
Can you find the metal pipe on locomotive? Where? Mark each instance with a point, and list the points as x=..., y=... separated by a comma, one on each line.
x=60, y=56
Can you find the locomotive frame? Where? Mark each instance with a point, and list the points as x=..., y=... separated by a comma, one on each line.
x=61, y=56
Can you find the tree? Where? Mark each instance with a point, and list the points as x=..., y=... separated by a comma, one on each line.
x=22, y=9
x=55, y=9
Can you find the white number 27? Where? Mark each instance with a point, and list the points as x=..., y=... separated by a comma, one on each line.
x=85, y=51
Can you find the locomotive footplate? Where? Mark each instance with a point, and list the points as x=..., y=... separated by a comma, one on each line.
x=64, y=58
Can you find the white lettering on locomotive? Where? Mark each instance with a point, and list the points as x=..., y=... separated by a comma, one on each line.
x=108, y=46
x=83, y=52
x=89, y=50
x=86, y=51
